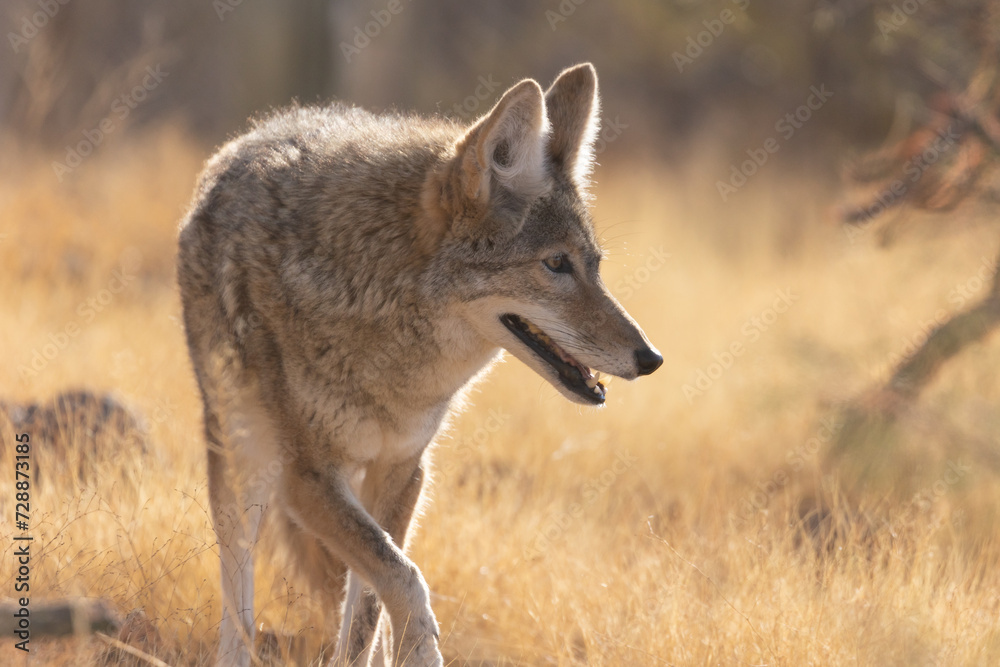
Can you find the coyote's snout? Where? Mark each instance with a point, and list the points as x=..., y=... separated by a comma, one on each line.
x=344, y=276
x=569, y=329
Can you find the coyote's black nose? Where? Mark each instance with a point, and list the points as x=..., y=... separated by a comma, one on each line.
x=647, y=360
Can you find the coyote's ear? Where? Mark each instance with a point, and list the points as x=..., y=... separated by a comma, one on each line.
x=572, y=106
x=499, y=167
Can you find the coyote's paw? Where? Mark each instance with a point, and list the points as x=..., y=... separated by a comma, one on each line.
x=415, y=634
x=419, y=646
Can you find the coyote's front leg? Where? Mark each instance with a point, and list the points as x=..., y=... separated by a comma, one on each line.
x=322, y=501
x=392, y=493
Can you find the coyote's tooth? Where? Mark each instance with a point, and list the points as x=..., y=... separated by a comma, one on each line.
x=598, y=391
x=592, y=382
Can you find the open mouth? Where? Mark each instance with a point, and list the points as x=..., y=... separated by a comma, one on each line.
x=576, y=377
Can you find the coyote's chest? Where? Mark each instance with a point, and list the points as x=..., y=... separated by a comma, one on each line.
x=385, y=402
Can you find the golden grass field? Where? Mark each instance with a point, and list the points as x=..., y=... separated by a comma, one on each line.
x=658, y=530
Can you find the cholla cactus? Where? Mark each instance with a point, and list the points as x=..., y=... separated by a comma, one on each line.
x=951, y=158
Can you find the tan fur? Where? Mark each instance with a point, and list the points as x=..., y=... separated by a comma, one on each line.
x=345, y=278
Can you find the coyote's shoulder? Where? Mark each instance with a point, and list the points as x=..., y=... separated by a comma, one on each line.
x=315, y=232
x=335, y=173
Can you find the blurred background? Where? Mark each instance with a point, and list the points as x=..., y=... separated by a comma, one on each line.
x=798, y=199
x=670, y=70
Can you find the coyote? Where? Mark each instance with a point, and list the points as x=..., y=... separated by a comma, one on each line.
x=345, y=277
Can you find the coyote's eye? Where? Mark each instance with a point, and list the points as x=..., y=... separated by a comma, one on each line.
x=558, y=264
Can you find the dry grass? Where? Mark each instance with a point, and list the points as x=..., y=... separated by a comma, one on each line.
x=655, y=531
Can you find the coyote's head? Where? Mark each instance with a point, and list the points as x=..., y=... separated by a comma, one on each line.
x=521, y=250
